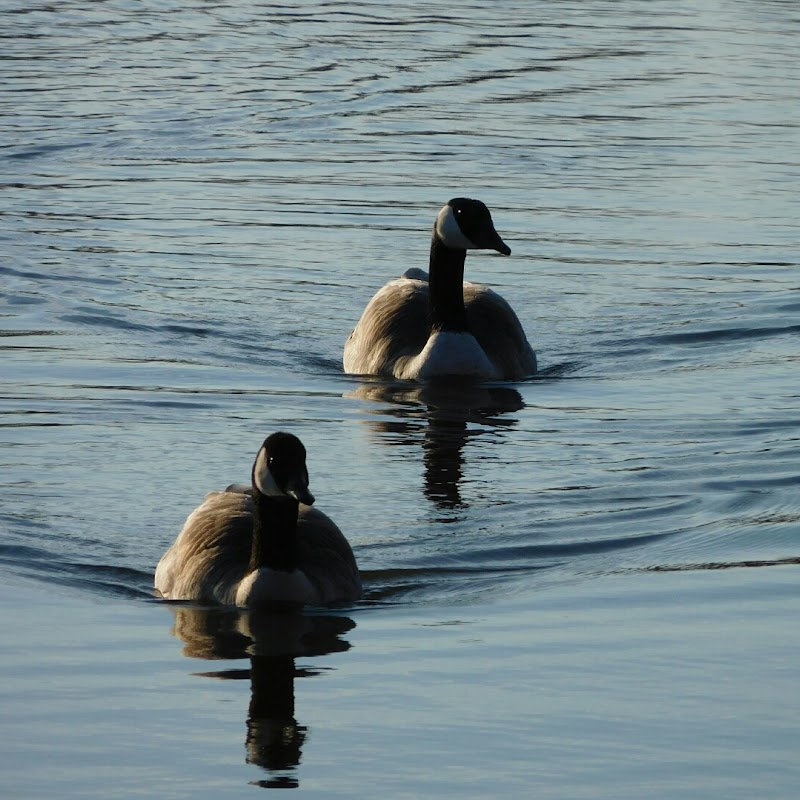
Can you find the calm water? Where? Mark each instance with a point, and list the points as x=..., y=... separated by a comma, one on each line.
x=581, y=585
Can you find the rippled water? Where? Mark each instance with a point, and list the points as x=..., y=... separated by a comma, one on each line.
x=198, y=202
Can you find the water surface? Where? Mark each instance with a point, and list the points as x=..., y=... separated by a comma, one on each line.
x=582, y=584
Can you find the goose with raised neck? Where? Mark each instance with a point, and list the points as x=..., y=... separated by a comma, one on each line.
x=429, y=325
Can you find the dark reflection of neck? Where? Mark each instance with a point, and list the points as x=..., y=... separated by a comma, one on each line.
x=453, y=405
x=272, y=641
x=443, y=458
x=274, y=738
x=453, y=410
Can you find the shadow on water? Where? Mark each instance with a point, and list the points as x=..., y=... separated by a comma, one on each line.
x=442, y=417
x=271, y=641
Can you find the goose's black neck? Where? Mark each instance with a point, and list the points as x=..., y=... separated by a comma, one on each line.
x=446, y=287
x=274, y=533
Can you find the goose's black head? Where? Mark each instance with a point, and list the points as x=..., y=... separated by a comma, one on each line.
x=280, y=469
x=465, y=224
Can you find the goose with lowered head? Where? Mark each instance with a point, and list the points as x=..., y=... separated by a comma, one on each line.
x=423, y=326
x=263, y=547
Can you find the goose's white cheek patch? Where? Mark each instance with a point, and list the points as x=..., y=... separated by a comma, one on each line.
x=450, y=233
x=263, y=477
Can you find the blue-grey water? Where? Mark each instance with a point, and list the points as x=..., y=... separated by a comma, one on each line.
x=581, y=585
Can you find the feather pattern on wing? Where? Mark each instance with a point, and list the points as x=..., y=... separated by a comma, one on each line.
x=394, y=325
x=498, y=330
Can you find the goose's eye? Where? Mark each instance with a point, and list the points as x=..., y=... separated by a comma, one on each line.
x=270, y=461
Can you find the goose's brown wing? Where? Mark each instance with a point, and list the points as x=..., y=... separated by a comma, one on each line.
x=326, y=558
x=212, y=551
x=394, y=325
x=499, y=332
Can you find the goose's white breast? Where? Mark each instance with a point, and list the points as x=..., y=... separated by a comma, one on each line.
x=266, y=587
x=449, y=353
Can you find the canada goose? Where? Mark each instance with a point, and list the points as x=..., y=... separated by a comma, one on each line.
x=422, y=326
x=265, y=547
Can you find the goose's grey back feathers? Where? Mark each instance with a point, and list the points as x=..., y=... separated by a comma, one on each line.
x=210, y=557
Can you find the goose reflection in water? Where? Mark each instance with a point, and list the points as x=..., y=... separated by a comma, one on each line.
x=272, y=641
x=452, y=412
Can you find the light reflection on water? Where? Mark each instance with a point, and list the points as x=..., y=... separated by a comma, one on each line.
x=199, y=201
